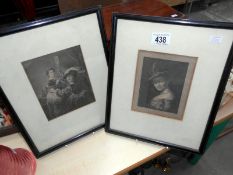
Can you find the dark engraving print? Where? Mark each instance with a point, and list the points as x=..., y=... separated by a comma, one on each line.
x=162, y=83
x=60, y=81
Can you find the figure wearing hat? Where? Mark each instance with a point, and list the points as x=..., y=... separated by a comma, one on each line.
x=160, y=81
x=75, y=94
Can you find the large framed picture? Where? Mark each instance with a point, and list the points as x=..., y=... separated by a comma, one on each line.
x=166, y=79
x=54, y=78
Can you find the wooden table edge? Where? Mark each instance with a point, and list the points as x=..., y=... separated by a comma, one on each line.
x=227, y=117
x=141, y=162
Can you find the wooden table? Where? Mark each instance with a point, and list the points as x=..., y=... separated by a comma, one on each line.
x=141, y=7
x=97, y=154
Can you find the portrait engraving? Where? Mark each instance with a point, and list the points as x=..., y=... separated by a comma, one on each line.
x=162, y=83
x=60, y=81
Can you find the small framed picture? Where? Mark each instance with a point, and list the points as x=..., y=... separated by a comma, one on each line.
x=166, y=79
x=7, y=125
x=55, y=82
x=159, y=88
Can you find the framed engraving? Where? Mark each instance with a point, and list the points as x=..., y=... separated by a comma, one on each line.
x=60, y=81
x=166, y=79
x=55, y=82
x=159, y=88
x=7, y=125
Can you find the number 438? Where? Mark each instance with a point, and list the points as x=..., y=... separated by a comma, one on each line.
x=160, y=39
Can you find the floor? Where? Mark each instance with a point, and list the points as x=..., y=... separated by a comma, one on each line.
x=221, y=10
x=218, y=158
x=216, y=161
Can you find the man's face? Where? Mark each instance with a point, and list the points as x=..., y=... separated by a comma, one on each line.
x=70, y=79
x=51, y=74
x=160, y=83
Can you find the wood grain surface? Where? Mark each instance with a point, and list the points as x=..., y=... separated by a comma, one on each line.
x=98, y=153
x=140, y=7
x=224, y=113
x=145, y=7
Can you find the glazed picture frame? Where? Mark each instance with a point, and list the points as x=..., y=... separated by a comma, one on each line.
x=147, y=51
x=60, y=92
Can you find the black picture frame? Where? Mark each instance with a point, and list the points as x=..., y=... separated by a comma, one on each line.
x=11, y=128
x=14, y=30
x=141, y=22
x=8, y=130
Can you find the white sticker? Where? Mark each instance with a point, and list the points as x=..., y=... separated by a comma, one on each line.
x=174, y=15
x=161, y=38
x=216, y=39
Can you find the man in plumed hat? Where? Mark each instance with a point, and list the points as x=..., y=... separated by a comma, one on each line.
x=160, y=81
x=76, y=94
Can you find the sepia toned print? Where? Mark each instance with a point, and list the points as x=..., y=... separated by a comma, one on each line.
x=162, y=83
x=60, y=81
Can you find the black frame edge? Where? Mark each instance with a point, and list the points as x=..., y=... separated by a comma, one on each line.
x=174, y=21
x=166, y=144
x=103, y=34
x=218, y=95
x=7, y=130
x=217, y=100
x=18, y=123
x=46, y=21
x=35, y=24
x=73, y=139
x=110, y=73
